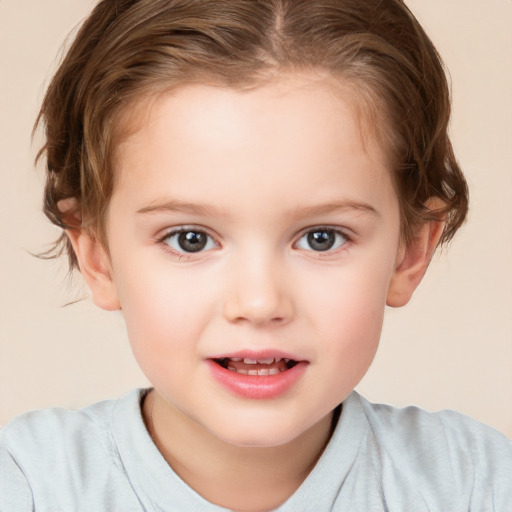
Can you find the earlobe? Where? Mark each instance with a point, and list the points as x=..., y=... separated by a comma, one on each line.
x=95, y=266
x=413, y=260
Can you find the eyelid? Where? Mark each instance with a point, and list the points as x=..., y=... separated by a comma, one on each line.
x=336, y=229
x=169, y=232
x=176, y=230
x=346, y=232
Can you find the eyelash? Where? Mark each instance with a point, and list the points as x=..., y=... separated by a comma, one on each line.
x=183, y=254
x=185, y=231
x=326, y=229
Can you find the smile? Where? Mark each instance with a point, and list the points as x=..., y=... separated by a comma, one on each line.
x=262, y=367
x=257, y=376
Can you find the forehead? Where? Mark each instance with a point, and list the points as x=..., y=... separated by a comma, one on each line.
x=369, y=111
x=278, y=134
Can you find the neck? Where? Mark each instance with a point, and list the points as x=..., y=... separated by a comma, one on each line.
x=238, y=478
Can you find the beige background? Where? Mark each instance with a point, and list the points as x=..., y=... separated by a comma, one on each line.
x=450, y=348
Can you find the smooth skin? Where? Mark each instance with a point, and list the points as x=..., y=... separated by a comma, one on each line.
x=251, y=176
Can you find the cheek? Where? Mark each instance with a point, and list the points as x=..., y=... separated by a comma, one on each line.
x=163, y=310
x=348, y=310
x=353, y=291
x=353, y=325
x=351, y=343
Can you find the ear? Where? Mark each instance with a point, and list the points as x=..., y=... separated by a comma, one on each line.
x=94, y=264
x=414, y=259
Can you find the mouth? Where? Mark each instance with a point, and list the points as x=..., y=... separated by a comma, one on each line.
x=263, y=375
x=256, y=367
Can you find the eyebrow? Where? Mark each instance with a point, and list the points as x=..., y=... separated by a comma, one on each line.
x=336, y=207
x=174, y=206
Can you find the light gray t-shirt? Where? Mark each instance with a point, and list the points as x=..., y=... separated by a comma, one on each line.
x=102, y=459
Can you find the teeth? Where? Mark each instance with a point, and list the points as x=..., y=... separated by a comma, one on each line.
x=272, y=366
x=260, y=371
x=268, y=360
x=268, y=371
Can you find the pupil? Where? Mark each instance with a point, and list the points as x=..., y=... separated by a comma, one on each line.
x=321, y=240
x=192, y=241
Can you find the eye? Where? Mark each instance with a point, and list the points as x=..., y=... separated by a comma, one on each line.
x=321, y=240
x=189, y=241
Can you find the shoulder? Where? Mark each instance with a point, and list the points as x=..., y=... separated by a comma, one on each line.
x=438, y=430
x=50, y=430
x=443, y=451
x=71, y=447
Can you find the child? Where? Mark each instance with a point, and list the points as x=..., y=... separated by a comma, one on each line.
x=251, y=182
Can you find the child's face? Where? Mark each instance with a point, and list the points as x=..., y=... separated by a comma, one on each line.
x=253, y=225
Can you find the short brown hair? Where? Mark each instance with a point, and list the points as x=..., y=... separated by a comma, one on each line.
x=128, y=50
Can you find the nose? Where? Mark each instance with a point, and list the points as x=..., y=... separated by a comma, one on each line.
x=259, y=293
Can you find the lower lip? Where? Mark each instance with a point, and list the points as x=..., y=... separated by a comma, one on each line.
x=257, y=386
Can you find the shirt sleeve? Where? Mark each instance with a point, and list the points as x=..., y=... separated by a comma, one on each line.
x=15, y=493
x=493, y=478
x=491, y=453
